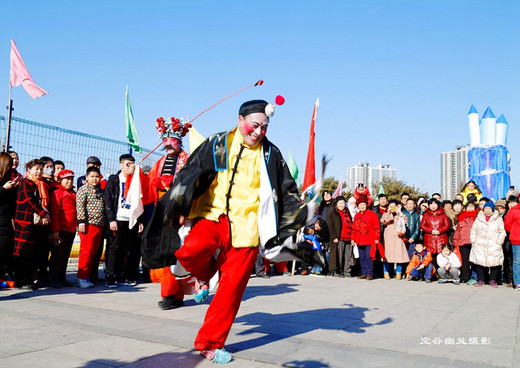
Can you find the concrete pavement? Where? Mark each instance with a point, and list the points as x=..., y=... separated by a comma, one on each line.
x=288, y=321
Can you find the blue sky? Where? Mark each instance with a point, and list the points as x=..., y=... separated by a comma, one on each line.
x=395, y=78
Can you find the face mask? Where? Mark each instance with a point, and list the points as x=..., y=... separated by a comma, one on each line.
x=49, y=171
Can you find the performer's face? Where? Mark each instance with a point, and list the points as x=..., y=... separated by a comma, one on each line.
x=172, y=145
x=253, y=128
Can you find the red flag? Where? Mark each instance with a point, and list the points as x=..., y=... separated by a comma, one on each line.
x=310, y=167
x=20, y=74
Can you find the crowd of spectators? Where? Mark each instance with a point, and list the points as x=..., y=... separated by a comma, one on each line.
x=469, y=239
x=41, y=212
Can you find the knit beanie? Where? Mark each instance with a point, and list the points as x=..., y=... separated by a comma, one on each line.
x=489, y=204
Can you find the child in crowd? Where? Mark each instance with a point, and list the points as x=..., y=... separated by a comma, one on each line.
x=90, y=203
x=310, y=237
x=471, y=188
x=449, y=265
x=421, y=265
x=361, y=190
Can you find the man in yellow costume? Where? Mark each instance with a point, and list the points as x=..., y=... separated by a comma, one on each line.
x=234, y=193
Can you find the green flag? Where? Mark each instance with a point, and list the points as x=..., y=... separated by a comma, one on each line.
x=131, y=131
x=293, y=167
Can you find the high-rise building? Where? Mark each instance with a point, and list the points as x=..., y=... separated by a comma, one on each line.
x=362, y=172
x=454, y=171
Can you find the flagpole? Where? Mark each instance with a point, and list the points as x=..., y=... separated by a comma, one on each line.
x=9, y=112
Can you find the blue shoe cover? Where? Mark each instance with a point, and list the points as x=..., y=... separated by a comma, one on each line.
x=201, y=295
x=222, y=356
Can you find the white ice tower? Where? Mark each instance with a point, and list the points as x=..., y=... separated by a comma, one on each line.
x=501, y=130
x=488, y=128
x=474, y=127
x=488, y=158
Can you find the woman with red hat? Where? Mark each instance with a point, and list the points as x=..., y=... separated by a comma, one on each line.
x=366, y=232
x=63, y=227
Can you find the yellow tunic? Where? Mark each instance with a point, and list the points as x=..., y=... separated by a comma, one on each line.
x=244, y=200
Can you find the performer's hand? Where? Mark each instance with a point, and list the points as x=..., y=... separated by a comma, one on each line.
x=140, y=229
x=113, y=225
x=377, y=242
x=82, y=228
x=336, y=241
x=420, y=267
x=182, y=220
x=411, y=240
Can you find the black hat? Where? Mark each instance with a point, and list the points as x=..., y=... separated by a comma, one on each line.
x=250, y=107
x=93, y=160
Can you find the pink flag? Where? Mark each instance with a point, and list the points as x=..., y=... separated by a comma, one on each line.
x=339, y=189
x=20, y=75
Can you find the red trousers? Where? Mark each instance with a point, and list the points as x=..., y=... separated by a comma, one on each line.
x=197, y=255
x=89, y=245
x=169, y=284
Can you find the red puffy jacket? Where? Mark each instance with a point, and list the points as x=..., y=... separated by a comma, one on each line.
x=435, y=221
x=63, y=210
x=366, y=228
x=512, y=224
x=465, y=221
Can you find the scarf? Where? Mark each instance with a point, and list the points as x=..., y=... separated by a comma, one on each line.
x=43, y=190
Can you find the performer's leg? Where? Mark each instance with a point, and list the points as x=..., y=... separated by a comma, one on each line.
x=197, y=255
x=235, y=265
x=170, y=286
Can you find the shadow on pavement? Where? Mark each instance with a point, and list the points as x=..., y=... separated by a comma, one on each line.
x=188, y=359
x=305, y=364
x=276, y=327
x=23, y=294
x=268, y=290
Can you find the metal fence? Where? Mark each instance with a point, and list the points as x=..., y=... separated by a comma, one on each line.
x=31, y=139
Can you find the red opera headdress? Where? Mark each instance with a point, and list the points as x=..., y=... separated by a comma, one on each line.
x=172, y=127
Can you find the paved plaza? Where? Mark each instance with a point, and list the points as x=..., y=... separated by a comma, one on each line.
x=287, y=321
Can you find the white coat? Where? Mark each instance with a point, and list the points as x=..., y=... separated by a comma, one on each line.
x=486, y=240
